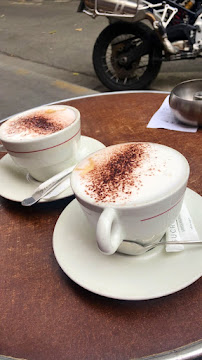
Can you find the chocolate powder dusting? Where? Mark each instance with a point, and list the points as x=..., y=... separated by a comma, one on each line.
x=38, y=124
x=119, y=175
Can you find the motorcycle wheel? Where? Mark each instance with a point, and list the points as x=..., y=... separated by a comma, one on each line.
x=113, y=56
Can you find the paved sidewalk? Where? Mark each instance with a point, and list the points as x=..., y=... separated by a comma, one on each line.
x=25, y=85
x=46, y=55
x=39, y=1
x=43, y=57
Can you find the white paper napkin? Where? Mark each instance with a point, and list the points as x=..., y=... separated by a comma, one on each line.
x=164, y=119
x=182, y=229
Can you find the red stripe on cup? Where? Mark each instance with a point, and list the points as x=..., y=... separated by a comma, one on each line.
x=162, y=212
x=51, y=147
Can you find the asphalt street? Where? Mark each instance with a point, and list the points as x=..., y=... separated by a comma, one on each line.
x=46, y=55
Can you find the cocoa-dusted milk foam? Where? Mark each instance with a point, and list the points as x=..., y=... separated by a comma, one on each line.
x=38, y=123
x=129, y=174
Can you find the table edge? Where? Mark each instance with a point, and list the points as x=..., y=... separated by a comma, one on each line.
x=91, y=95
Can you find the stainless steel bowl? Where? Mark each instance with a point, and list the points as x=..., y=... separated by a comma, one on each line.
x=186, y=102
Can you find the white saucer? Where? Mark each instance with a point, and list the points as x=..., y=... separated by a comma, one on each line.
x=16, y=185
x=119, y=276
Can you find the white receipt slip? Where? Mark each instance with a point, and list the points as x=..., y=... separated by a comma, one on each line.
x=164, y=119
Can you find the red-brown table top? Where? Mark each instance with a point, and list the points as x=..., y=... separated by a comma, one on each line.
x=44, y=314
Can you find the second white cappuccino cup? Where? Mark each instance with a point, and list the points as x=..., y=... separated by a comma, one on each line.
x=131, y=192
x=44, y=140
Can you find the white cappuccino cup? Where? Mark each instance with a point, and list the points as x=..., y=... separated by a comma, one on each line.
x=131, y=193
x=44, y=140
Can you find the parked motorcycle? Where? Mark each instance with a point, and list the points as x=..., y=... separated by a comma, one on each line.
x=128, y=53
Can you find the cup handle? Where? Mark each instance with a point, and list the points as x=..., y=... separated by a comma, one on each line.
x=2, y=148
x=109, y=233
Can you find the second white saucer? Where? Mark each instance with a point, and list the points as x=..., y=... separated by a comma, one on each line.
x=152, y=275
x=15, y=184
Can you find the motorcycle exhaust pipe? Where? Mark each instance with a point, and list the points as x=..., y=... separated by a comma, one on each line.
x=158, y=27
x=115, y=7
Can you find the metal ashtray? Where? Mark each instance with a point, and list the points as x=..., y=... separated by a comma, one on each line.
x=186, y=102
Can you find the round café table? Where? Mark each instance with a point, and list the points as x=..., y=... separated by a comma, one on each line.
x=47, y=316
